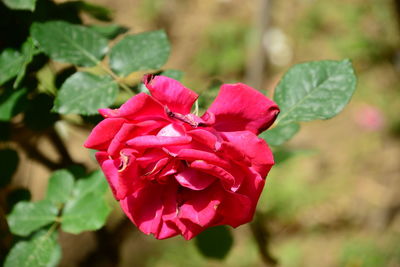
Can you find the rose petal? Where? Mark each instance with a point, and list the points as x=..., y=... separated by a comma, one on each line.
x=239, y=107
x=103, y=133
x=227, y=179
x=171, y=93
x=255, y=149
x=194, y=154
x=204, y=137
x=194, y=180
x=236, y=209
x=148, y=141
x=140, y=107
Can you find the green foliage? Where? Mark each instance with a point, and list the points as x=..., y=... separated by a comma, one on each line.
x=84, y=93
x=10, y=63
x=27, y=217
x=280, y=134
x=11, y=103
x=174, y=74
x=20, y=4
x=315, y=90
x=70, y=43
x=41, y=250
x=149, y=50
x=109, y=31
x=215, y=242
x=86, y=209
x=60, y=186
x=28, y=51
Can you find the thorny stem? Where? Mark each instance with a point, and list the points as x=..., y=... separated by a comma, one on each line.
x=116, y=78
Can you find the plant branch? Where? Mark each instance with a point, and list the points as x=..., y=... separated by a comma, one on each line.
x=116, y=78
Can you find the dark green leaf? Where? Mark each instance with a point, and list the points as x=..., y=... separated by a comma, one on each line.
x=109, y=31
x=144, y=51
x=280, y=134
x=315, y=90
x=15, y=196
x=96, y=11
x=215, y=242
x=174, y=74
x=70, y=43
x=87, y=208
x=20, y=4
x=84, y=93
x=9, y=162
x=60, y=187
x=28, y=51
x=11, y=103
x=10, y=64
x=27, y=217
x=41, y=250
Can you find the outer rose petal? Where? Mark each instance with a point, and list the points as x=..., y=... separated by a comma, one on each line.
x=239, y=107
x=256, y=149
x=171, y=93
x=103, y=133
x=140, y=107
x=193, y=179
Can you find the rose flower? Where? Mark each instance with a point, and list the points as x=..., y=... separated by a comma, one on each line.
x=175, y=173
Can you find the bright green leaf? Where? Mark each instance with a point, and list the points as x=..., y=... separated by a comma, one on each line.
x=42, y=250
x=87, y=208
x=9, y=162
x=27, y=217
x=10, y=63
x=60, y=187
x=109, y=31
x=174, y=74
x=84, y=93
x=28, y=51
x=315, y=90
x=144, y=51
x=70, y=43
x=215, y=242
x=20, y=4
x=280, y=134
x=11, y=103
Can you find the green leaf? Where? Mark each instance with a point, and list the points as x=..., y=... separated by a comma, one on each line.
x=144, y=51
x=10, y=64
x=41, y=250
x=84, y=93
x=9, y=162
x=20, y=4
x=315, y=90
x=280, y=134
x=60, y=187
x=109, y=31
x=70, y=43
x=28, y=51
x=11, y=103
x=174, y=74
x=96, y=11
x=27, y=217
x=215, y=242
x=87, y=208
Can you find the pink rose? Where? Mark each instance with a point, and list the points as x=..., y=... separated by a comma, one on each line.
x=176, y=173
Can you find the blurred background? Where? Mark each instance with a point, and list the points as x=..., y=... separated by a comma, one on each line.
x=333, y=198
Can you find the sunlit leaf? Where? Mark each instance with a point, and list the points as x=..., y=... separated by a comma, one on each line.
x=315, y=90
x=84, y=93
x=280, y=134
x=42, y=250
x=27, y=217
x=86, y=209
x=144, y=51
x=28, y=51
x=70, y=43
x=10, y=63
x=20, y=4
x=109, y=31
x=60, y=186
x=11, y=103
x=215, y=242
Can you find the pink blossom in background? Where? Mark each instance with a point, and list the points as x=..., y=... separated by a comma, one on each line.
x=369, y=118
x=175, y=173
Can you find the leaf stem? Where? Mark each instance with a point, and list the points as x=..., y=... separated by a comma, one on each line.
x=116, y=78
